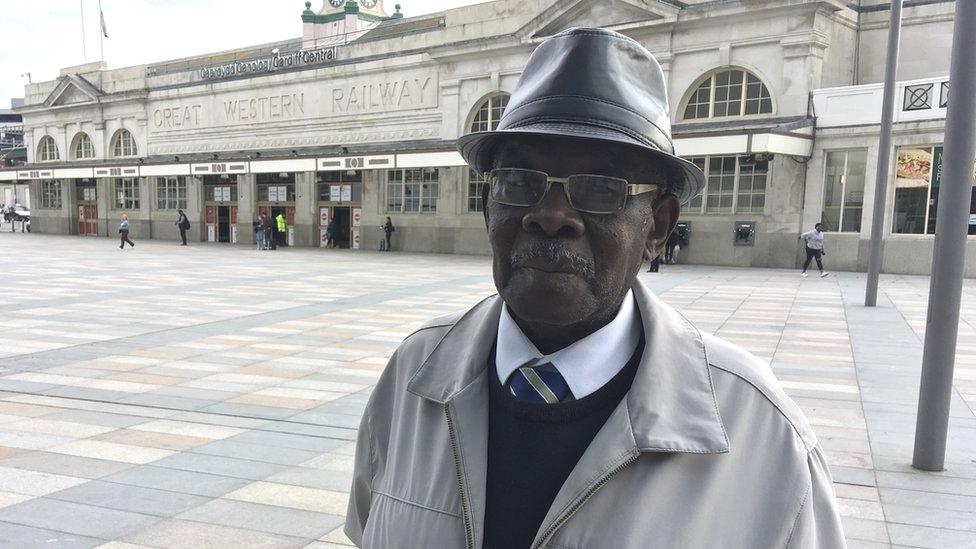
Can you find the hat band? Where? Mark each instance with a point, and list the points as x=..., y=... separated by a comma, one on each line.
x=589, y=111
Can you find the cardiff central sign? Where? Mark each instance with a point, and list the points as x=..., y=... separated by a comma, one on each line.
x=276, y=61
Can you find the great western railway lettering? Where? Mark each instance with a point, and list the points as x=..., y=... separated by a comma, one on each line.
x=382, y=96
x=264, y=109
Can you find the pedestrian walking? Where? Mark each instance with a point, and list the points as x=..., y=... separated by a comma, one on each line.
x=269, y=237
x=655, y=265
x=388, y=229
x=331, y=231
x=672, y=243
x=259, y=232
x=184, y=225
x=815, y=249
x=575, y=408
x=282, y=227
x=124, y=232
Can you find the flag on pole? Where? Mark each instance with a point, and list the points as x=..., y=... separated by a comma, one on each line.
x=101, y=16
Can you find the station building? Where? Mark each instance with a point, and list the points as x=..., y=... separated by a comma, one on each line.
x=778, y=101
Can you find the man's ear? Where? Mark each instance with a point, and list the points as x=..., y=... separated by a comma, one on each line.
x=666, y=211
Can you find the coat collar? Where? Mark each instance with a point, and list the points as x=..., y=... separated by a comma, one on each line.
x=671, y=405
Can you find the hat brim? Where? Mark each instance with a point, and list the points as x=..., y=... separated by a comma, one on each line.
x=478, y=150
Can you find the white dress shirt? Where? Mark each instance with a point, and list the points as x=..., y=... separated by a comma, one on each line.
x=587, y=364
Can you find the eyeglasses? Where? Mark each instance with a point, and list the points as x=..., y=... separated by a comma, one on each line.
x=597, y=194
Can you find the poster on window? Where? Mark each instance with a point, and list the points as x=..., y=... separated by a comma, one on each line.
x=357, y=216
x=355, y=239
x=346, y=193
x=324, y=216
x=272, y=194
x=335, y=192
x=323, y=236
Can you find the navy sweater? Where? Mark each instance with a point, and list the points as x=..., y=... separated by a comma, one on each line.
x=533, y=447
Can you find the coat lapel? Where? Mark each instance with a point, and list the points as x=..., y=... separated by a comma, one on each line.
x=670, y=407
x=454, y=375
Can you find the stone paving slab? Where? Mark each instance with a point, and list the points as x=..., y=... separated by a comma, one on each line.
x=182, y=397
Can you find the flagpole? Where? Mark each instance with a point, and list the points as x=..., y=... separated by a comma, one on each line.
x=101, y=31
x=84, y=49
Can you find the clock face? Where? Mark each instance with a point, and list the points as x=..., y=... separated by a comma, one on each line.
x=336, y=3
x=368, y=3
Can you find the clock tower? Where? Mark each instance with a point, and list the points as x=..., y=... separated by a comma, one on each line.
x=340, y=21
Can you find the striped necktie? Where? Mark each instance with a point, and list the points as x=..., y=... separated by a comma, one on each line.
x=542, y=383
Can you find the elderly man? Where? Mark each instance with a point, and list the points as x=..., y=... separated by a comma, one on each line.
x=575, y=409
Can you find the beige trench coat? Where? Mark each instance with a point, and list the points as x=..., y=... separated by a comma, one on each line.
x=704, y=451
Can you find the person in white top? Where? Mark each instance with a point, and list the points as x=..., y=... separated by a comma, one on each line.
x=815, y=249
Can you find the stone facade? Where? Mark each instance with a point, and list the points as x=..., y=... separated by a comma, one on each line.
x=385, y=97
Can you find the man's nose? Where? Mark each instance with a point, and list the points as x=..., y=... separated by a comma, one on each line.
x=553, y=215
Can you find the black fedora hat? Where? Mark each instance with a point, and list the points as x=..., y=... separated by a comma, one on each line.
x=593, y=84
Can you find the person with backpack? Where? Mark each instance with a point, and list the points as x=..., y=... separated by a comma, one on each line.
x=184, y=224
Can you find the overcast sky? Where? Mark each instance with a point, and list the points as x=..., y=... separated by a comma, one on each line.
x=41, y=36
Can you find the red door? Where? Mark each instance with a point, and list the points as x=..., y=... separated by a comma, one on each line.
x=88, y=219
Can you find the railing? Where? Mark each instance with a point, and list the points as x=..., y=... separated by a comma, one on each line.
x=924, y=99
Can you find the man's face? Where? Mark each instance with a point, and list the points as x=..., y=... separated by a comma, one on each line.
x=556, y=266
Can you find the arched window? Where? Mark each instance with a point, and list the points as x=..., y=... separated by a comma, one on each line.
x=489, y=113
x=728, y=93
x=485, y=119
x=82, y=147
x=47, y=150
x=123, y=144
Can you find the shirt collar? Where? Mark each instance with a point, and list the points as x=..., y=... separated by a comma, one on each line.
x=671, y=406
x=587, y=364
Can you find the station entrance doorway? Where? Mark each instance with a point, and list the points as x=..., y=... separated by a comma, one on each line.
x=87, y=207
x=276, y=196
x=340, y=195
x=220, y=205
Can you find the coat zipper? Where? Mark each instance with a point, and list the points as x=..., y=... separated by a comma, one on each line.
x=583, y=498
x=465, y=512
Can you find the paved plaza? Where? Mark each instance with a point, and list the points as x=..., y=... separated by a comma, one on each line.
x=209, y=396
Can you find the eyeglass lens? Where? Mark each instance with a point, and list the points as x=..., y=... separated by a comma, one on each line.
x=588, y=193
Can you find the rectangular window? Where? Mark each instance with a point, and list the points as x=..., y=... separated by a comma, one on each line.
x=220, y=188
x=917, y=179
x=344, y=186
x=844, y=190
x=51, y=194
x=476, y=185
x=412, y=191
x=750, y=195
x=720, y=188
x=695, y=205
x=170, y=193
x=733, y=184
x=127, y=193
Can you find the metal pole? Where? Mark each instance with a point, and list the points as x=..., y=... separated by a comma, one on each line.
x=948, y=259
x=876, y=254
x=84, y=49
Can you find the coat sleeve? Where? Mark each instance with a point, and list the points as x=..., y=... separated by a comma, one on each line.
x=818, y=525
x=361, y=493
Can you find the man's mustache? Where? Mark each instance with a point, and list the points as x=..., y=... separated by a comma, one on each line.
x=556, y=255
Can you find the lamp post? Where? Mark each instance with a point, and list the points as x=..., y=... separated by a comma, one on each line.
x=948, y=258
x=876, y=254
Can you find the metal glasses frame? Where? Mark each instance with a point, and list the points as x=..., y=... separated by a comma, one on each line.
x=632, y=188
